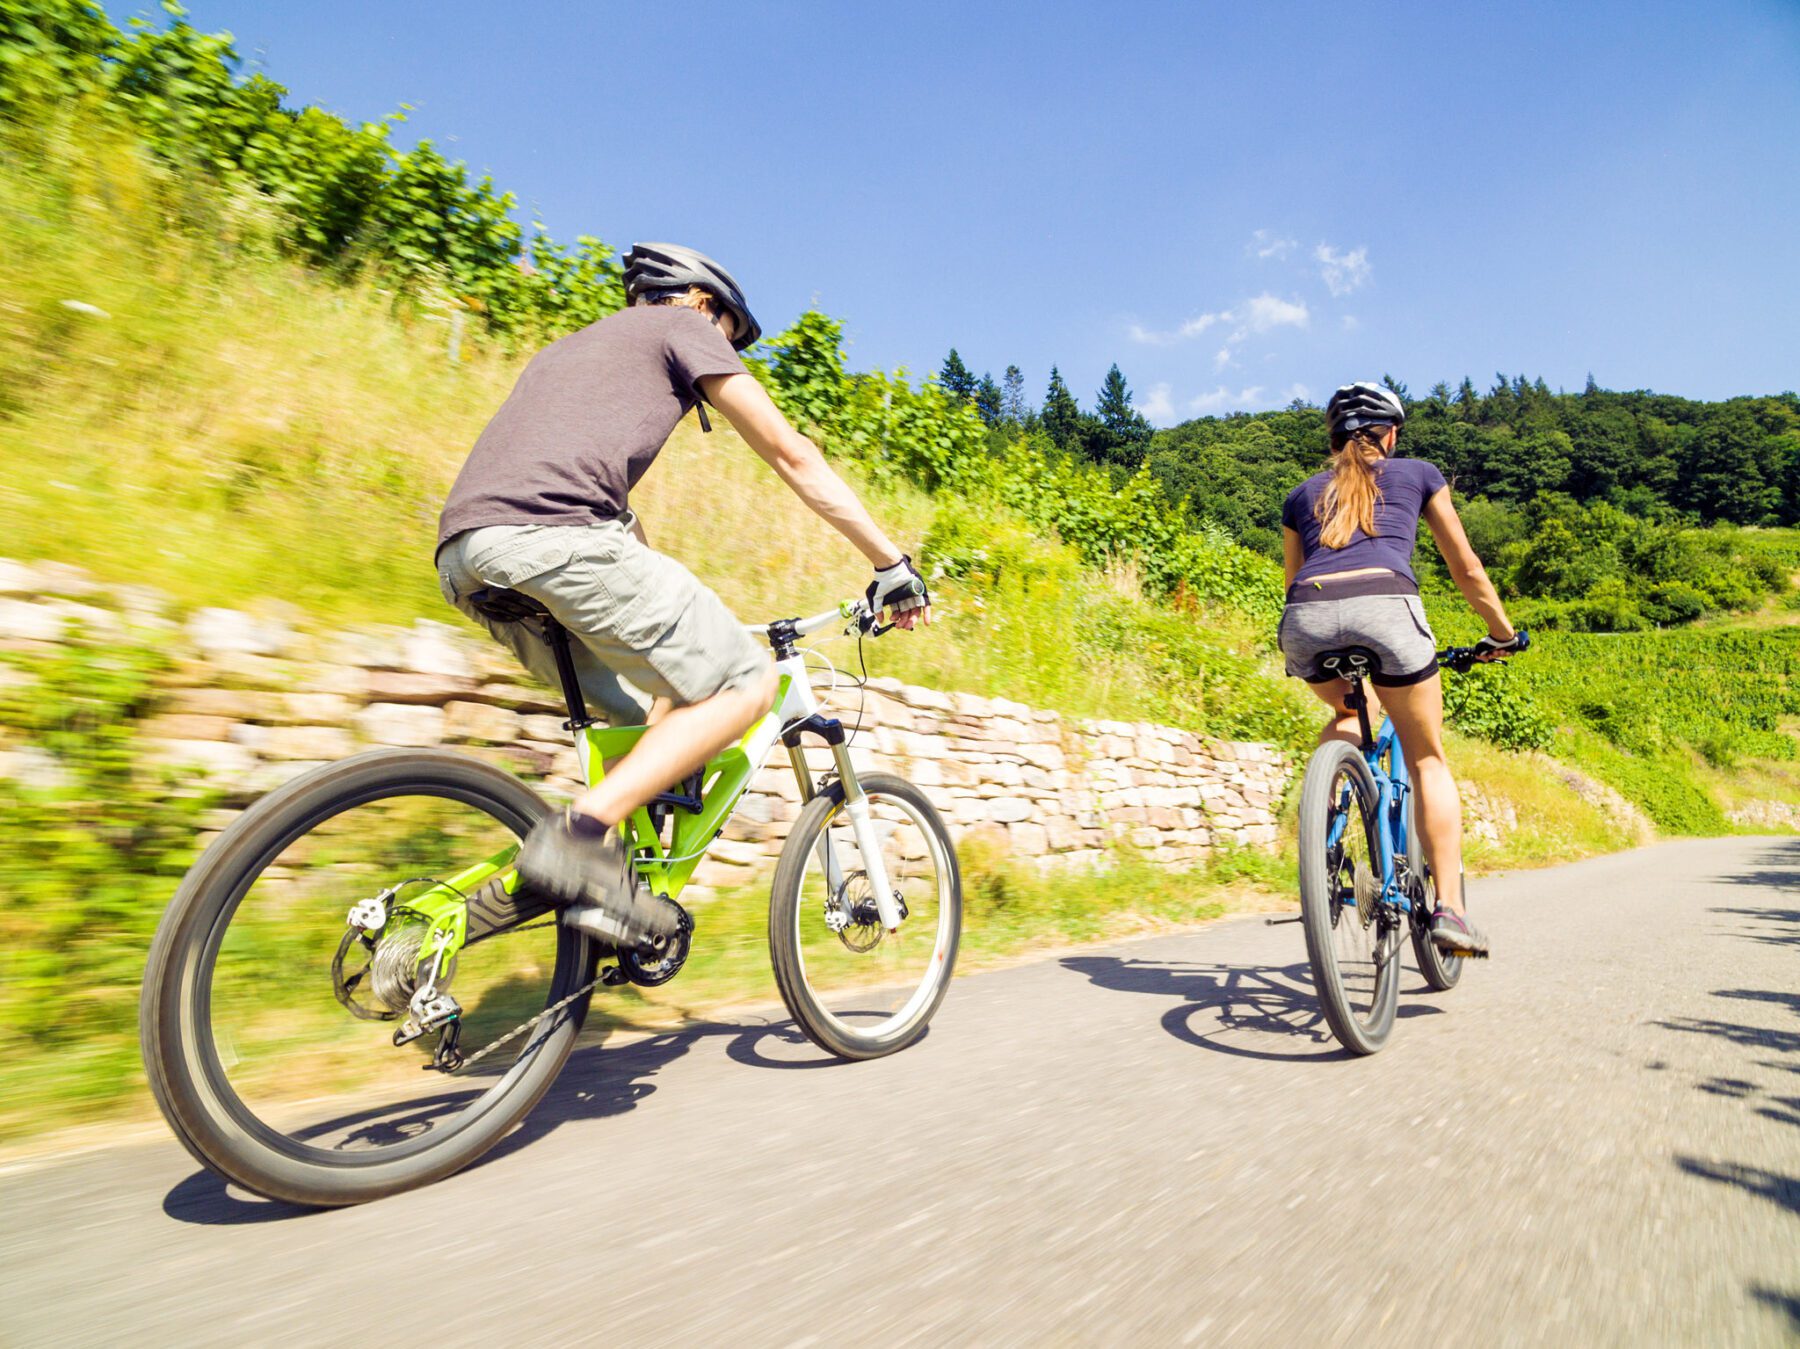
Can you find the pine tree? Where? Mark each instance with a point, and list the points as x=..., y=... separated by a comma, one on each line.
x=1062, y=414
x=1122, y=435
x=987, y=399
x=1013, y=406
x=1590, y=388
x=954, y=378
x=1394, y=387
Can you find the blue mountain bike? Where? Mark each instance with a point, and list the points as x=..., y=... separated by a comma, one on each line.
x=1364, y=883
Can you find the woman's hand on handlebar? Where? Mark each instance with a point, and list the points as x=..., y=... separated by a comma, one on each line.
x=1494, y=648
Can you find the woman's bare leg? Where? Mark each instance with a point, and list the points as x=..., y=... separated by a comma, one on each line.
x=1418, y=713
x=1342, y=724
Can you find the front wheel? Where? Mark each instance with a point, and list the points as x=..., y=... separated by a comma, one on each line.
x=856, y=989
x=1354, y=955
x=268, y=1023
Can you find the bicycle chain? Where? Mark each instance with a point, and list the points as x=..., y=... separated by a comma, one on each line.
x=521, y=1028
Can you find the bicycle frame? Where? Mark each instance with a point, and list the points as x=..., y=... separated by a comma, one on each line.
x=667, y=868
x=1393, y=789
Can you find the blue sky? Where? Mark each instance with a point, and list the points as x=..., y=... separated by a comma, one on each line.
x=1237, y=203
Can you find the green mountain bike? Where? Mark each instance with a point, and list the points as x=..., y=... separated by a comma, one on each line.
x=365, y=921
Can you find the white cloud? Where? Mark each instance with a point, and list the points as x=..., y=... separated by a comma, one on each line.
x=1345, y=271
x=1271, y=311
x=1295, y=390
x=1192, y=328
x=1157, y=405
x=1222, y=399
x=1259, y=314
x=1351, y=323
x=1264, y=244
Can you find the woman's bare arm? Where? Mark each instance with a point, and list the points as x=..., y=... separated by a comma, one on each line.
x=1293, y=553
x=1465, y=567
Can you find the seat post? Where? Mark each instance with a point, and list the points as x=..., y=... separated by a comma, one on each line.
x=558, y=637
x=1359, y=700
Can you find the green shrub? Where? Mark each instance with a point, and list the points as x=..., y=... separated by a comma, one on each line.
x=87, y=862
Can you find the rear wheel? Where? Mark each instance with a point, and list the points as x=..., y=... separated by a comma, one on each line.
x=1353, y=955
x=856, y=989
x=268, y=1023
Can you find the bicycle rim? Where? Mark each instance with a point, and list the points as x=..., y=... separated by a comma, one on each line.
x=854, y=987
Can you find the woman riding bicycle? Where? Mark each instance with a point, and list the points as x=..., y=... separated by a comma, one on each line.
x=1348, y=535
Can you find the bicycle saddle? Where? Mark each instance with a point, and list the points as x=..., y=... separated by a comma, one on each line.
x=506, y=606
x=1351, y=662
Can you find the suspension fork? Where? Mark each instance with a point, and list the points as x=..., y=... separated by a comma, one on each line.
x=856, y=806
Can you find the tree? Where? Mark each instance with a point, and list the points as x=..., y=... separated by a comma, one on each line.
x=1394, y=386
x=955, y=378
x=987, y=399
x=1062, y=414
x=1119, y=433
x=1013, y=406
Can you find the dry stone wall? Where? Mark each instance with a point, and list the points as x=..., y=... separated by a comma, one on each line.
x=255, y=698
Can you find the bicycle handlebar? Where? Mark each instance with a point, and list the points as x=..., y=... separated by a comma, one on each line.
x=1464, y=658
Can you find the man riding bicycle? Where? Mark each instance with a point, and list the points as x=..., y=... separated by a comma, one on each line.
x=541, y=507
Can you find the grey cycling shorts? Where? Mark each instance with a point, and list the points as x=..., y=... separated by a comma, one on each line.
x=1327, y=616
x=644, y=626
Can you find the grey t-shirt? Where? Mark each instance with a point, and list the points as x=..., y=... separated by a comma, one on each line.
x=585, y=420
x=1406, y=485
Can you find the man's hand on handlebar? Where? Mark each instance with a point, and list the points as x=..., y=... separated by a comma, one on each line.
x=900, y=593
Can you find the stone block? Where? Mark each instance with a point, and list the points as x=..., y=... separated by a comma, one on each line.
x=436, y=649
x=1028, y=839
x=315, y=709
x=522, y=698
x=30, y=766
x=186, y=726
x=216, y=632
x=401, y=724
x=480, y=722
x=1010, y=809
x=1049, y=757
x=412, y=687
x=23, y=620
x=305, y=742
x=218, y=759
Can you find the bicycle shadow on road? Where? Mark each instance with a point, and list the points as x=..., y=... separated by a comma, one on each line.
x=598, y=1081
x=1250, y=1011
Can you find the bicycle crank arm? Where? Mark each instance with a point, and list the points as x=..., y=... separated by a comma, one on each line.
x=1276, y=922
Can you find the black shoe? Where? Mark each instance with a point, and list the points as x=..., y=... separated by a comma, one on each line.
x=590, y=878
x=1455, y=935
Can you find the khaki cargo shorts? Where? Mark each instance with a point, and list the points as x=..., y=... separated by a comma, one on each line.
x=644, y=626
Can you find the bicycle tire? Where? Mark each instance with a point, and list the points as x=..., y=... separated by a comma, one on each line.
x=820, y=1026
x=185, y=1072
x=1319, y=903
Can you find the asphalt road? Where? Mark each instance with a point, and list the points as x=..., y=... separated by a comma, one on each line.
x=1596, y=1139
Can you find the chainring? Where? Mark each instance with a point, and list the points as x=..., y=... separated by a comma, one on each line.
x=661, y=964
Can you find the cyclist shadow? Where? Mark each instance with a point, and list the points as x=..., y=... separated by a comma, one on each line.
x=598, y=1081
x=1250, y=1011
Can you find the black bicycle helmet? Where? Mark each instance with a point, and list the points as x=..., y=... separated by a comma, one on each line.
x=1358, y=405
x=650, y=268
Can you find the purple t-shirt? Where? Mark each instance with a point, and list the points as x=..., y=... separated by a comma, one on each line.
x=586, y=418
x=1406, y=485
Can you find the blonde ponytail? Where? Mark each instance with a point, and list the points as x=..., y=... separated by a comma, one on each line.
x=1348, y=502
